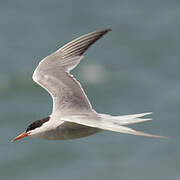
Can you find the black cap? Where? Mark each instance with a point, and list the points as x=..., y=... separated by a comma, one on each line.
x=37, y=124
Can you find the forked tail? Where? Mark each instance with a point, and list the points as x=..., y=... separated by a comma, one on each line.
x=118, y=123
x=127, y=119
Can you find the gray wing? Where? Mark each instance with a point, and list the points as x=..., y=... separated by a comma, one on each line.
x=52, y=73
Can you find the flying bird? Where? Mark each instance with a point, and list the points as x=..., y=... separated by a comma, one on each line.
x=72, y=115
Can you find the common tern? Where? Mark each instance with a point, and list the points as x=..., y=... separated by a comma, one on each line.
x=72, y=115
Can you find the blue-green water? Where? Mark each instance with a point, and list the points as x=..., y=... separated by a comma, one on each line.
x=133, y=69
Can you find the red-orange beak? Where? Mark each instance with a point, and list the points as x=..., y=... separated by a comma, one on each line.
x=20, y=136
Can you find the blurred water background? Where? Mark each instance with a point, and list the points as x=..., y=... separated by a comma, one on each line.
x=133, y=69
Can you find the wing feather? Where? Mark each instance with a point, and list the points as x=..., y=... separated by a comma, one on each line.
x=78, y=46
x=52, y=74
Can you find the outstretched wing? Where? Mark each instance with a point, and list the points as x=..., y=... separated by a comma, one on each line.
x=52, y=74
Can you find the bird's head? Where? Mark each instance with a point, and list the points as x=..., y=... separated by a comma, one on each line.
x=33, y=129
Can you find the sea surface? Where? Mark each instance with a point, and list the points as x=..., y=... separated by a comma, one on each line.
x=135, y=68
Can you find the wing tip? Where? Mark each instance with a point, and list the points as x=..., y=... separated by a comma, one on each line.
x=106, y=30
x=103, y=31
x=79, y=45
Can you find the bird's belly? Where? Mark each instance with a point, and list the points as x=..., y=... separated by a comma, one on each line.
x=69, y=130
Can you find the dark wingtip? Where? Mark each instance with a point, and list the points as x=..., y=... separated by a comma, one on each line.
x=78, y=46
x=103, y=31
x=108, y=29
